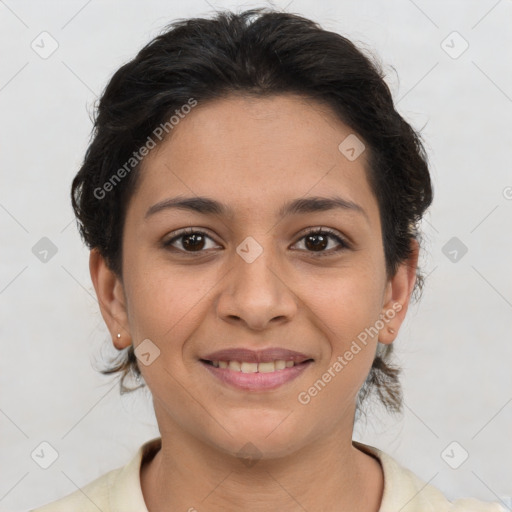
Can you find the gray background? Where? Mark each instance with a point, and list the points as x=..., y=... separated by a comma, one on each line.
x=455, y=346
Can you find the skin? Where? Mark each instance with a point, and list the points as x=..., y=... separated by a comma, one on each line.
x=253, y=155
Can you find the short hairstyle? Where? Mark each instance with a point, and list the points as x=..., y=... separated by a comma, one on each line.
x=258, y=52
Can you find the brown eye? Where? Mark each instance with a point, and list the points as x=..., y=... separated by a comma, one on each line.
x=193, y=242
x=317, y=241
x=189, y=240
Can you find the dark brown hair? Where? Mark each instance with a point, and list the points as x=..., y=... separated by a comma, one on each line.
x=259, y=52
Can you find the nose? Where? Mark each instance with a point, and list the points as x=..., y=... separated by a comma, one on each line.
x=257, y=293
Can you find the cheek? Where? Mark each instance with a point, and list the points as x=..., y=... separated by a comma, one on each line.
x=348, y=309
x=164, y=305
x=347, y=314
x=349, y=301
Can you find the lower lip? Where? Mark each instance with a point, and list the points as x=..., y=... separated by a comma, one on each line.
x=257, y=381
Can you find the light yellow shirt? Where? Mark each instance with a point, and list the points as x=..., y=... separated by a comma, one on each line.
x=120, y=490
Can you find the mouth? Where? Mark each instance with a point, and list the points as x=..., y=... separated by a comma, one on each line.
x=255, y=376
x=253, y=367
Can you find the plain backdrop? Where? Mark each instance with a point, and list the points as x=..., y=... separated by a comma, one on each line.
x=448, y=66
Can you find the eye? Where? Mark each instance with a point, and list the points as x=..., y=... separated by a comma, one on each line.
x=190, y=240
x=317, y=240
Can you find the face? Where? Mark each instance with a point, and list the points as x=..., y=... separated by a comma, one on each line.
x=253, y=274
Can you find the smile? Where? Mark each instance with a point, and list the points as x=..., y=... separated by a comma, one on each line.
x=250, y=376
x=247, y=367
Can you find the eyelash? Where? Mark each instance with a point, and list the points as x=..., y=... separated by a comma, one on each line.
x=344, y=245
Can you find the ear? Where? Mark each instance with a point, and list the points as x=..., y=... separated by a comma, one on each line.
x=111, y=298
x=397, y=296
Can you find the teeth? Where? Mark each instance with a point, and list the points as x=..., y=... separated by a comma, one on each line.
x=234, y=365
x=266, y=367
x=245, y=367
x=281, y=365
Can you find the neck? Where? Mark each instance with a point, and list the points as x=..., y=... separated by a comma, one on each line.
x=330, y=474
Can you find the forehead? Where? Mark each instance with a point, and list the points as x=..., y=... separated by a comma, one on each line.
x=254, y=152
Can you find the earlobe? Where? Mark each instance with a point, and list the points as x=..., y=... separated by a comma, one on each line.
x=397, y=296
x=111, y=299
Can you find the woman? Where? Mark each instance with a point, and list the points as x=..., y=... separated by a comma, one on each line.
x=251, y=200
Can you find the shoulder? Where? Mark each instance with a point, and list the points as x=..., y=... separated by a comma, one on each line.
x=91, y=497
x=119, y=489
x=406, y=492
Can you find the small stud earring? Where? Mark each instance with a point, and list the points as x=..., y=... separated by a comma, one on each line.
x=391, y=331
x=118, y=335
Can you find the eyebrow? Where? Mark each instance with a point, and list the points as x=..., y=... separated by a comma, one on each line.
x=208, y=206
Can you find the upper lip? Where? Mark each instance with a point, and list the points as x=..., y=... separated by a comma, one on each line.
x=256, y=356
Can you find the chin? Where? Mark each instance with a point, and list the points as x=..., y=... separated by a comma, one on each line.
x=261, y=435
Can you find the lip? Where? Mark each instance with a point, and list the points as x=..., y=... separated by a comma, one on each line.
x=257, y=356
x=257, y=381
